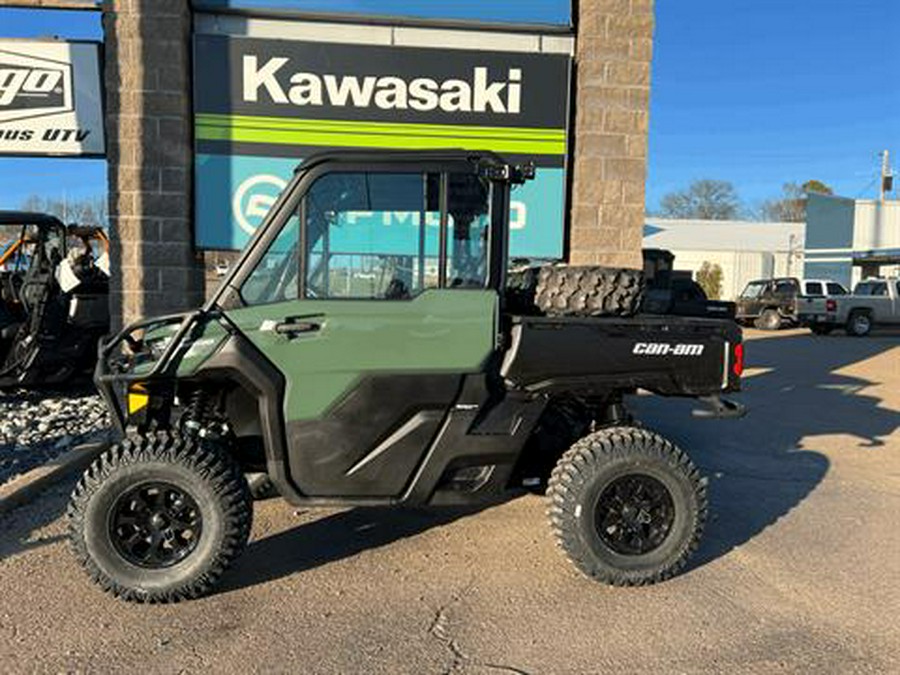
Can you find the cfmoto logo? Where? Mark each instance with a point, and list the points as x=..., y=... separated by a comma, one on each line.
x=253, y=199
x=32, y=86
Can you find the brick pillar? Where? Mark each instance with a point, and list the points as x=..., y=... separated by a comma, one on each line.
x=613, y=52
x=148, y=113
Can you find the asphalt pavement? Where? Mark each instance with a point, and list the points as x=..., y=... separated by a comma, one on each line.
x=799, y=570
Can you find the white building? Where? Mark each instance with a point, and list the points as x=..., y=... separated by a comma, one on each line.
x=744, y=250
x=850, y=239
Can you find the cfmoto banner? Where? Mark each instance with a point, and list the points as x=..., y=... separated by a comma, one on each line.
x=50, y=98
x=262, y=105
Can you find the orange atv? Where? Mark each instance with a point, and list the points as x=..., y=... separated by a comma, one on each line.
x=54, y=298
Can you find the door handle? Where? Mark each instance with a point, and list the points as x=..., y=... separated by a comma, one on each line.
x=296, y=327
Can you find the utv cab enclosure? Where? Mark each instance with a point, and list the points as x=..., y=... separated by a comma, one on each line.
x=361, y=352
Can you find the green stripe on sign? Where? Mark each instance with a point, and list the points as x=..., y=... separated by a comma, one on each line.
x=339, y=133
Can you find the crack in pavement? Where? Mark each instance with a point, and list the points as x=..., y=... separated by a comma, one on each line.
x=440, y=630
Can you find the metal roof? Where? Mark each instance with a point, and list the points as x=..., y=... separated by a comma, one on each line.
x=723, y=235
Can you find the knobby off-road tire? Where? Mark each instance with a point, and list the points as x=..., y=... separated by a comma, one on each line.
x=627, y=507
x=569, y=290
x=159, y=518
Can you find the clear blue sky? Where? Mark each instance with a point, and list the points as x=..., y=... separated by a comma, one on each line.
x=758, y=92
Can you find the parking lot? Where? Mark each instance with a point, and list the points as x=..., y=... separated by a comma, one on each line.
x=799, y=570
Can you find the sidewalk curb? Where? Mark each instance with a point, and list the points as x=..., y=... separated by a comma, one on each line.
x=27, y=486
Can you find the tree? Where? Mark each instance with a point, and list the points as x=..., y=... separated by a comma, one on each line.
x=791, y=207
x=709, y=277
x=704, y=199
x=83, y=211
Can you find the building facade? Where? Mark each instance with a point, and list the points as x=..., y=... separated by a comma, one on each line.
x=852, y=239
x=743, y=250
x=176, y=147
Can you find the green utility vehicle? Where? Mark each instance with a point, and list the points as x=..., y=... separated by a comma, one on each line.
x=367, y=349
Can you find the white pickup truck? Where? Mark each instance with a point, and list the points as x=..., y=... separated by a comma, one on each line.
x=873, y=302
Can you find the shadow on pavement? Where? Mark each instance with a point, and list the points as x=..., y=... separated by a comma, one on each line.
x=334, y=538
x=762, y=466
x=18, y=527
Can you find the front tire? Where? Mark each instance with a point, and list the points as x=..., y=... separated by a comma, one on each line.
x=627, y=507
x=159, y=518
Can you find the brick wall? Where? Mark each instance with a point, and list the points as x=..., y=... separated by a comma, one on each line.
x=147, y=76
x=613, y=52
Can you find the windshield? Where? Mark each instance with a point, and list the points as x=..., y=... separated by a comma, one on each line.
x=753, y=289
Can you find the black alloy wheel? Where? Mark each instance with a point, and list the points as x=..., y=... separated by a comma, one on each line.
x=155, y=525
x=634, y=514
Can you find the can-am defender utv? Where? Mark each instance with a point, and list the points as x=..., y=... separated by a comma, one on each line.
x=363, y=352
x=54, y=299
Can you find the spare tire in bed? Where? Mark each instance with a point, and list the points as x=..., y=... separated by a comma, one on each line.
x=585, y=290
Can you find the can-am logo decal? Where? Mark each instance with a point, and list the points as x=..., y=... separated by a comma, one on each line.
x=477, y=93
x=31, y=86
x=667, y=349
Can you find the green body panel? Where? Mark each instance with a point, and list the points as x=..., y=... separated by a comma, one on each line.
x=439, y=331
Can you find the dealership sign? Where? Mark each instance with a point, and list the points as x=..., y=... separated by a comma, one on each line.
x=262, y=105
x=50, y=101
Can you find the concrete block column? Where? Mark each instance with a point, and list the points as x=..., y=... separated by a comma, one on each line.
x=613, y=53
x=148, y=129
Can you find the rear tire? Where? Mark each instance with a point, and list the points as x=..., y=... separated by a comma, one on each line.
x=568, y=290
x=770, y=319
x=627, y=507
x=859, y=323
x=159, y=518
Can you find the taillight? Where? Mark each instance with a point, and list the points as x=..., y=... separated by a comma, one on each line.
x=738, y=367
x=831, y=305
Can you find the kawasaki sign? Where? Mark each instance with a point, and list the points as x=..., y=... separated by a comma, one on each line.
x=262, y=105
x=50, y=98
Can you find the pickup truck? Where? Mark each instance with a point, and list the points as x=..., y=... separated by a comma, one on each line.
x=873, y=302
x=364, y=351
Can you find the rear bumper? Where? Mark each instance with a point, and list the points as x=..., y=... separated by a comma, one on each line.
x=817, y=320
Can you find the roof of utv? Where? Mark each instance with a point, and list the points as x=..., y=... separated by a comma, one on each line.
x=401, y=156
x=29, y=218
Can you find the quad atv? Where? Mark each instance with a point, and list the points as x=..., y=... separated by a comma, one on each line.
x=54, y=299
x=362, y=352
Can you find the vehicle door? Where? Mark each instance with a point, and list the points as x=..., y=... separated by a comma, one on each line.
x=372, y=298
x=875, y=296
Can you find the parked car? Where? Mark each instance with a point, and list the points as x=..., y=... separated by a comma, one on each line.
x=873, y=301
x=769, y=304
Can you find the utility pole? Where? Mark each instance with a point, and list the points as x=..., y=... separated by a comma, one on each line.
x=887, y=177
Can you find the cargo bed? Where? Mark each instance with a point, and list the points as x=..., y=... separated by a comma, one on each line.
x=668, y=355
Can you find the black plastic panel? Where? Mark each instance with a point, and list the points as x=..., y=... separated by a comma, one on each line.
x=593, y=356
x=370, y=443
